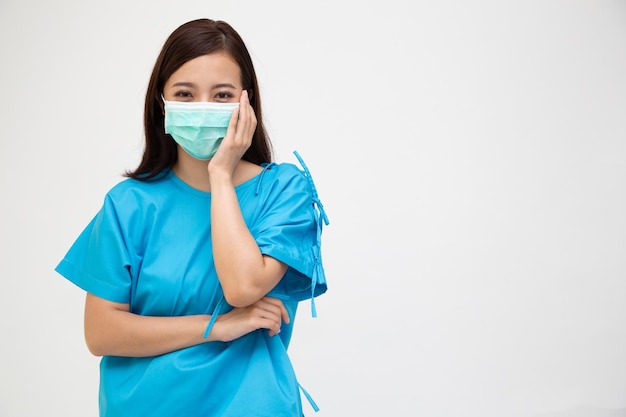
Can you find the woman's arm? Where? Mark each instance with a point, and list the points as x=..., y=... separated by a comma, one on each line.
x=246, y=275
x=111, y=329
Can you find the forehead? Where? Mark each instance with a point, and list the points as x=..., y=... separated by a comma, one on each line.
x=218, y=67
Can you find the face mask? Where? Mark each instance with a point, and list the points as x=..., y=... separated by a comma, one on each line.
x=198, y=127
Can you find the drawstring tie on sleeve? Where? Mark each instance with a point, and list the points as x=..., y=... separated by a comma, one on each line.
x=322, y=219
x=260, y=180
x=216, y=312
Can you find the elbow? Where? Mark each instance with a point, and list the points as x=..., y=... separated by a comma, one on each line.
x=241, y=297
x=102, y=319
x=95, y=348
x=250, y=284
x=95, y=342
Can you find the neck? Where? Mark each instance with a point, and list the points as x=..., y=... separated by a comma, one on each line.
x=192, y=171
x=195, y=172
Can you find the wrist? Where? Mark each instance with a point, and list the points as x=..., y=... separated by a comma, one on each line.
x=219, y=176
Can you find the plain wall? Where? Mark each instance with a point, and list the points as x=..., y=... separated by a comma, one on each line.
x=471, y=157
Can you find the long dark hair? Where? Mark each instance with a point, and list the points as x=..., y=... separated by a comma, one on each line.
x=189, y=41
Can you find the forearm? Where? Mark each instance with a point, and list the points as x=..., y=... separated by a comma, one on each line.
x=110, y=329
x=244, y=273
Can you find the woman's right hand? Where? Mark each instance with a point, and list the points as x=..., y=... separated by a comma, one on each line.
x=267, y=313
x=238, y=139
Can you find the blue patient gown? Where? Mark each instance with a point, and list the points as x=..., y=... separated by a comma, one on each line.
x=150, y=247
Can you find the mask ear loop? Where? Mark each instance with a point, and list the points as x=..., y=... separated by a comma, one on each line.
x=162, y=104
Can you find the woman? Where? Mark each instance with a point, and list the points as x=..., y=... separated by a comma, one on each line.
x=195, y=264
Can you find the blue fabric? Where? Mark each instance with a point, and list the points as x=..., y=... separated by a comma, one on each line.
x=150, y=246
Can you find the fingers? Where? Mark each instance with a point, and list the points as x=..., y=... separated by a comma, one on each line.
x=232, y=125
x=268, y=313
x=284, y=314
x=238, y=137
x=241, y=121
x=240, y=130
x=246, y=122
x=273, y=309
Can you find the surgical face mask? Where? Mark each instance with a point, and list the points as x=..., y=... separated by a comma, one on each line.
x=198, y=127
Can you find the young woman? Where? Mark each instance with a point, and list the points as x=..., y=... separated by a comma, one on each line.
x=196, y=262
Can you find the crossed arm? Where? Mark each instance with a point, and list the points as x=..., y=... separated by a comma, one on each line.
x=111, y=329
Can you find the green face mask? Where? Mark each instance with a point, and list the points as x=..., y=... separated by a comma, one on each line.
x=198, y=127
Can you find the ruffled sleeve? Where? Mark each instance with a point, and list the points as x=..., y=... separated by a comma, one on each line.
x=290, y=230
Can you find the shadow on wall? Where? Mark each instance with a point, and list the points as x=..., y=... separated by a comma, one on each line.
x=584, y=411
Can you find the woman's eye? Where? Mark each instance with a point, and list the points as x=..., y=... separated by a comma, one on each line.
x=223, y=95
x=183, y=94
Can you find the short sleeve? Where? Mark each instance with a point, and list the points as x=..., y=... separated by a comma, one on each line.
x=98, y=261
x=290, y=231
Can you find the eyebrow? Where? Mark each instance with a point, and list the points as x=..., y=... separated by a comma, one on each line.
x=222, y=85
x=183, y=84
x=189, y=84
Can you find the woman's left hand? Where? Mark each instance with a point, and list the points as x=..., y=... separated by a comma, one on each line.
x=267, y=313
x=238, y=138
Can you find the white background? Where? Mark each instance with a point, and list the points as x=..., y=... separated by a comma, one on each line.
x=471, y=157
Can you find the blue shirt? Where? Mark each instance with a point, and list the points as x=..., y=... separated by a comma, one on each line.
x=150, y=246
